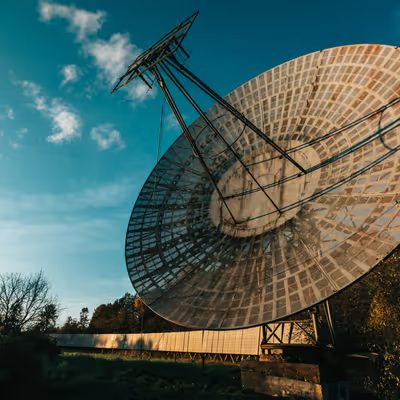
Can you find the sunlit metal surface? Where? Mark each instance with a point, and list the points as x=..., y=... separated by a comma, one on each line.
x=239, y=341
x=336, y=112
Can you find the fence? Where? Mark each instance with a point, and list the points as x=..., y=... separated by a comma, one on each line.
x=234, y=343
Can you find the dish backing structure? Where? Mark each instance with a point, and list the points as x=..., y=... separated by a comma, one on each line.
x=272, y=239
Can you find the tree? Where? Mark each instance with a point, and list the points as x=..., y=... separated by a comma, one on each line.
x=71, y=325
x=48, y=318
x=26, y=303
x=84, y=319
x=367, y=312
x=74, y=325
x=118, y=317
x=152, y=322
x=129, y=314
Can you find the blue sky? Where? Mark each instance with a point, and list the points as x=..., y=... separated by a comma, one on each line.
x=73, y=158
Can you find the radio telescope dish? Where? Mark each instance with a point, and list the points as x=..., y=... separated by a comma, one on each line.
x=206, y=265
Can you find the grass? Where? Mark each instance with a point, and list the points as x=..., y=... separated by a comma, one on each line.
x=103, y=376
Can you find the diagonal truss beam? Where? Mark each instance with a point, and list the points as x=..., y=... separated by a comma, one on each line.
x=173, y=62
x=185, y=129
x=190, y=99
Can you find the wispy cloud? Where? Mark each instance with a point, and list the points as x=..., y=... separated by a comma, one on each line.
x=30, y=207
x=171, y=123
x=116, y=283
x=65, y=121
x=105, y=136
x=21, y=132
x=31, y=89
x=138, y=91
x=111, y=57
x=84, y=218
x=71, y=73
x=6, y=112
x=15, y=142
x=14, y=145
x=87, y=223
x=81, y=22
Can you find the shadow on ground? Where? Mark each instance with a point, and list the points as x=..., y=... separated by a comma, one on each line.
x=82, y=376
x=96, y=376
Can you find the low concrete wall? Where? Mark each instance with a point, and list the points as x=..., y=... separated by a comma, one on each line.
x=293, y=380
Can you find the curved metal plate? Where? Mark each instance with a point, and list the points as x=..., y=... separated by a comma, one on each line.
x=189, y=261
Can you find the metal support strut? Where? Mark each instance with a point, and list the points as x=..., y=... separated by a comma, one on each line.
x=190, y=99
x=173, y=62
x=162, y=58
x=192, y=143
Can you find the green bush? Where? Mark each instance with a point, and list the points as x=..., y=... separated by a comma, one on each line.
x=26, y=360
x=386, y=383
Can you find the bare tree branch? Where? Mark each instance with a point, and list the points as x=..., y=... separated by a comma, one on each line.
x=26, y=303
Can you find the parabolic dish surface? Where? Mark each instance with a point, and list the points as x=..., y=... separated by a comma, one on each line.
x=337, y=113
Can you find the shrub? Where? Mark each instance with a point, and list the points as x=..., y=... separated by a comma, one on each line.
x=25, y=362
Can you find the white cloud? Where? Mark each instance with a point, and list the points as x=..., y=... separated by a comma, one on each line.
x=89, y=90
x=171, y=123
x=81, y=22
x=21, y=132
x=105, y=196
x=6, y=112
x=68, y=206
x=31, y=89
x=111, y=57
x=14, y=145
x=139, y=91
x=106, y=136
x=71, y=73
x=65, y=122
x=58, y=228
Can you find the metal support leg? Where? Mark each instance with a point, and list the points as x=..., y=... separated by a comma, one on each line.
x=329, y=320
x=196, y=151
x=264, y=339
x=314, y=314
x=181, y=88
